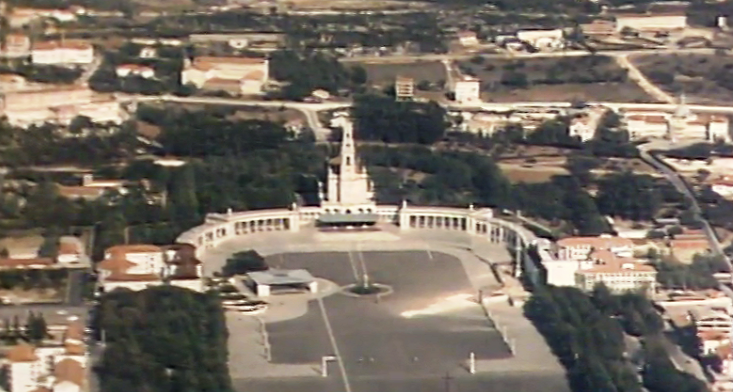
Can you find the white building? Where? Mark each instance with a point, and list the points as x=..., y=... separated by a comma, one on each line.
x=651, y=21
x=349, y=185
x=142, y=71
x=582, y=127
x=62, y=52
x=467, y=89
x=617, y=273
x=252, y=73
x=543, y=39
x=680, y=125
x=467, y=38
x=137, y=267
x=56, y=368
x=579, y=248
x=585, y=261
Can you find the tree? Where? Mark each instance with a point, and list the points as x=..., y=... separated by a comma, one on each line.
x=36, y=329
x=243, y=262
x=183, y=199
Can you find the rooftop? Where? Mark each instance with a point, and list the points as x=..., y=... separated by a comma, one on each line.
x=595, y=242
x=69, y=370
x=274, y=277
x=133, y=248
x=22, y=352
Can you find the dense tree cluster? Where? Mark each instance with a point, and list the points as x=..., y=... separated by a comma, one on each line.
x=695, y=276
x=451, y=177
x=163, y=339
x=562, y=199
x=384, y=119
x=28, y=279
x=309, y=71
x=587, y=335
x=629, y=196
x=47, y=144
x=243, y=262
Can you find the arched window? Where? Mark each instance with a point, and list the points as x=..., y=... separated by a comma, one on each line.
x=348, y=161
x=348, y=211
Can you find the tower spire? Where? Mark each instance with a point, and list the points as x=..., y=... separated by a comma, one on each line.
x=348, y=151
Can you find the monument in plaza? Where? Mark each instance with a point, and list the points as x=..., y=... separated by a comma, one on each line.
x=349, y=198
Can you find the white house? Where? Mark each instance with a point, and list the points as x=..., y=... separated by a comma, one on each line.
x=582, y=127
x=467, y=89
x=125, y=70
x=543, y=39
x=252, y=73
x=467, y=38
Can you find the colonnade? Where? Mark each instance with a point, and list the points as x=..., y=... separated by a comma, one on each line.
x=479, y=223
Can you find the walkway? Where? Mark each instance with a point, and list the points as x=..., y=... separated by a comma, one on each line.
x=639, y=78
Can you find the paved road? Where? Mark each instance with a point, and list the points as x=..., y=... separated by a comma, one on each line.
x=568, y=53
x=75, y=286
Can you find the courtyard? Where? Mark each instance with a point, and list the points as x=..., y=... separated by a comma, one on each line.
x=418, y=337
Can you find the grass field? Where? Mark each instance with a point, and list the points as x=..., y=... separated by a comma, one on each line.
x=383, y=75
x=589, y=78
x=605, y=92
x=703, y=78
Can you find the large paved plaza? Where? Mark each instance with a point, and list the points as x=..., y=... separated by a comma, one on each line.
x=418, y=338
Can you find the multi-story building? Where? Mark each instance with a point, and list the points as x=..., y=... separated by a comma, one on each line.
x=59, y=367
x=579, y=248
x=137, y=267
x=680, y=125
x=253, y=72
x=59, y=105
x=619, y=274
x=62, y=52
x=404, y=88
x=543, y=39
x=466, y=89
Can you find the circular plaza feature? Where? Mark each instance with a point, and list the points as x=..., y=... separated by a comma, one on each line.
x=369, y=290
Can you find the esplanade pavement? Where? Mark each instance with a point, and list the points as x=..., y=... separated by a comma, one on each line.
x=425, y=255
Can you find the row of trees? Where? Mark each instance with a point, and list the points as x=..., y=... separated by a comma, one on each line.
x=34, y=331
x=695, y=276
x=163, y=339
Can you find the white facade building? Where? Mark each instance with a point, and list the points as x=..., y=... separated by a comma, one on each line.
x=543, y=39
x=137, y=267
x=62, y=52
x=467, y=89
x=252, y=73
